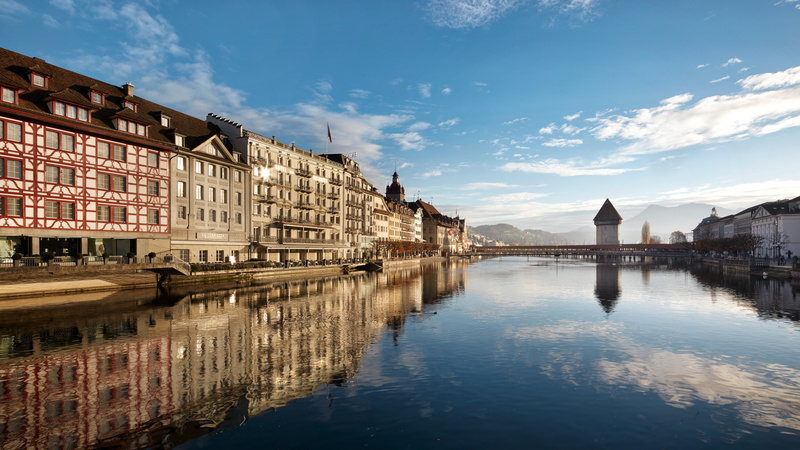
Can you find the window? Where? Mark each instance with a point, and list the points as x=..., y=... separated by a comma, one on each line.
x=198, y=192
x=223, y=173
x=203, y=255
x=51, y=210
x=223, y=216
x=237, y=176
x=212, y=194
x=199, y=214
x=198, y=167
x=13, y=207
x=120, y=153
x=129, y=105
x=152, y=159
x=239, y=218
x=180, y=140
x=120, y=183
x=120, y=214
x=183, y=254
x=152, y=217
x=96, y=97
x=212, y=215
x=238, y=199
x=103, y=150
x=71, y=111
x=8, y=95
x=61, y=141
x=212, y=170
x=10, y=168
x=38, y=80
x=152, y=188
x=11, y=132
x=165, y=121
x=220, y=255
x=104, y=213
x=103, y=181
x=68, y=211
x=223, y=196
x=60, y=175
x=181, y=189
x=181, y=212
x=181, y=163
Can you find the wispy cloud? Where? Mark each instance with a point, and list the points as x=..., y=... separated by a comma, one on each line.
x=447, y=91
x=432, y=173
x=572, y=117
x=450, y=123
x=467, y=13
x=513, y=121
x=720, y=79
x=731, y=62
x=678, y=124
x=562, y=143
x=564, y=169
x=763, y=81
x=359, y=93
x=425, y=90
x=482, y=186
x=479, y=84
x=700, y=66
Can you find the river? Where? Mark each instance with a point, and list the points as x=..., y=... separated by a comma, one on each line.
x=501, y=353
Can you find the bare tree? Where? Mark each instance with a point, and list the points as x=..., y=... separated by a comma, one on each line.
x=677, y=237
x=646, y=232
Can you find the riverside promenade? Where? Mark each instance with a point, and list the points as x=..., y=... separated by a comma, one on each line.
x=61, y=281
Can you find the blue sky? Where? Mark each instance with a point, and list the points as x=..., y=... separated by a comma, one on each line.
x=529, y=112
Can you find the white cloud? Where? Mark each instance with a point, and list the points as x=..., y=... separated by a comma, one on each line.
x=12, y=8
x=419, y=126
x=732, y=61
x=581, y=9
x=66, y=5
x=763, y=81
x=409, y=141
x=50, y=21
x=481, y=186
x=719, y=79
x=572, y=117
x=480, y=84
x=359, y=93
x=561, y=143
x=548, y=129
x=513, y=121
x=700, y=66
x=450, y=123
x=424, y=90
x=710, y=120
x=556, y=167
x=432, y=173
x=516, y=197
x=678, y=99
x=447, y=91
x=467, y=13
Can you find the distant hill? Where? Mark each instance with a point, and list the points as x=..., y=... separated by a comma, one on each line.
x=511, y=235
x=663, y=221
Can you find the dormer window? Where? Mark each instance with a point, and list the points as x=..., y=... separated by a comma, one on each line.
x=166, y=121
x=96, y=97
x=38, y=80
x=71, y=111
x=131, y=127
x=180, y=140
x=8, y=95
x=129, y=105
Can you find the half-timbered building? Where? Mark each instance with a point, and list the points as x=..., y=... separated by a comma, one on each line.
x=84, y=165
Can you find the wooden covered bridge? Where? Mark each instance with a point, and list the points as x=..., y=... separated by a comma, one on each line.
x=599, y=252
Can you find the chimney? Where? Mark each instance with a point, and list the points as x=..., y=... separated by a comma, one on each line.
x=273, y=140
x=128, y=88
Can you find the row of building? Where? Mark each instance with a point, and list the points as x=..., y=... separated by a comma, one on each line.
x=89, y=168
x=776, y=223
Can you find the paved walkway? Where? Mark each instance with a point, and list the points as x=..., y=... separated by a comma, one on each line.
x=42, y=285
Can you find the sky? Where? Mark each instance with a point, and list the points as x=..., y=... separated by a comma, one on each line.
x=528, y=112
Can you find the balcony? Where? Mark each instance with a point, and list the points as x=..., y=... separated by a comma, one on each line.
x=336, y=181
x=306, y=189
x=269, y=199
x=303, y=172
x=305, y=205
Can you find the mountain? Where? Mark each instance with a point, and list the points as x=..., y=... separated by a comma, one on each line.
x=511, y=235
x=666, y=219
x=663, y=221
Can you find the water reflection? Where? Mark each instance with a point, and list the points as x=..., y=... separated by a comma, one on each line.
x=164, y=370
x=607, y=288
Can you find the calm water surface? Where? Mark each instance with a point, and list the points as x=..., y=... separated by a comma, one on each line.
x=504, y=353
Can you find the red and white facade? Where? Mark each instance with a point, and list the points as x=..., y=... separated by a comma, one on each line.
x=72, y=181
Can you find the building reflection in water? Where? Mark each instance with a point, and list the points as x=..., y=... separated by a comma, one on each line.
x=607, y=288
x=160, y=375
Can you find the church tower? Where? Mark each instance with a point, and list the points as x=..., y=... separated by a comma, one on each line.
x=607, y=222
x=394, y=191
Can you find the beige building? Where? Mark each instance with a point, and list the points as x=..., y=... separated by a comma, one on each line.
x=607, y=223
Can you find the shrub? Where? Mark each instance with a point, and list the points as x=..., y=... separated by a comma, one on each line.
x=151, y=255
x=16, y=256
x=105, y=255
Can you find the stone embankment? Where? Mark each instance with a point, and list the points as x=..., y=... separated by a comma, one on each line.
x=31, y=282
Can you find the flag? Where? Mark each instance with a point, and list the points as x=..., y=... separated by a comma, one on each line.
x=329, y=133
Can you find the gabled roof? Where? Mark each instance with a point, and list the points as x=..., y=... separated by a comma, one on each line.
x=607, y=213
x=74, y=88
